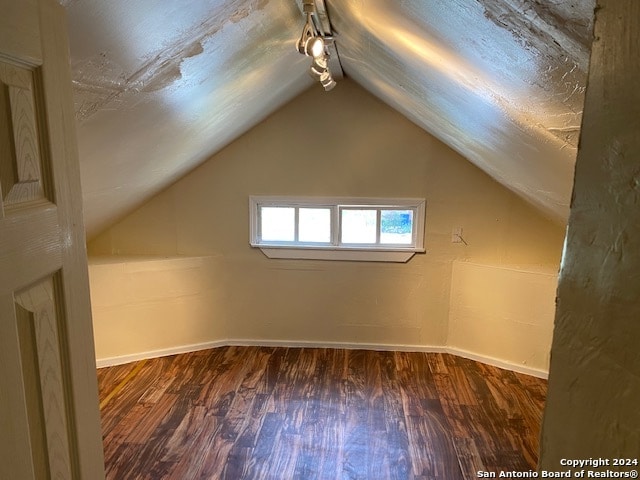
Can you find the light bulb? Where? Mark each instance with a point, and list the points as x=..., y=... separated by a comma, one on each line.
x=314, y=47
x=317, y=47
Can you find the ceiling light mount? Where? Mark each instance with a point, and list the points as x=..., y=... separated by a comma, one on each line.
x=314, y=42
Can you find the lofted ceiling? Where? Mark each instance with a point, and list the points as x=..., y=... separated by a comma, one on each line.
x=162, y=85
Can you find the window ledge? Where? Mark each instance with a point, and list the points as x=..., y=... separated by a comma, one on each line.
x=398, y=256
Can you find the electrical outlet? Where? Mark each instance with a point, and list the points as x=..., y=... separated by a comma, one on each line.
x=456, y=235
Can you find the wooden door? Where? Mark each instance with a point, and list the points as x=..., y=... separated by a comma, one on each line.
x=49, y=420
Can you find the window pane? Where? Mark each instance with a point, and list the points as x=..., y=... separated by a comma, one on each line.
x=314, y=225
x=277, y=224
x=358, y=226
x=396, y=227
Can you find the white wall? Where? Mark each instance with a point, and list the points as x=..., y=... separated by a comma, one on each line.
x=342, y=143
x=143, y=307
x=503, y=312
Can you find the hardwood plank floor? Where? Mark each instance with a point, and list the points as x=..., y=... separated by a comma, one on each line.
x=287, y=413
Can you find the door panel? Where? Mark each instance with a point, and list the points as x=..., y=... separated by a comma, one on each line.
x=37, y=311
x=32, y=398
x=48, y=390
x=20, y=161
x=16, y=442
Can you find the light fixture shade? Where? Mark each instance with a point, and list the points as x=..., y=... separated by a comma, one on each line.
x=315, y=74
x=320, y=63
x=307, y=34
x=318, y=70
x=328, y=83
x=330, y=86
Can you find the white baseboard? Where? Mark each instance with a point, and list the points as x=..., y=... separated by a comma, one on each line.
x=340, y=345
x=134, y=357
x=496, y=362
x=112, y=361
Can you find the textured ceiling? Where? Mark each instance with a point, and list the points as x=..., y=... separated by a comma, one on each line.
x=160, y=86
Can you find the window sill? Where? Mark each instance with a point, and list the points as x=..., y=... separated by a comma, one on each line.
x=354, y=255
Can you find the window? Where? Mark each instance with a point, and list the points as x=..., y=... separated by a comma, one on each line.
x=371, y=229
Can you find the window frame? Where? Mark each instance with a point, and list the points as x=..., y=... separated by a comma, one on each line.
x=335, y=250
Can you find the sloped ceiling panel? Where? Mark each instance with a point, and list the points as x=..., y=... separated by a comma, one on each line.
x=500, y=81
x=160, y=86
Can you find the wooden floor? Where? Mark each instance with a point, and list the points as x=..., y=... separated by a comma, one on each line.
x=286, y=413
